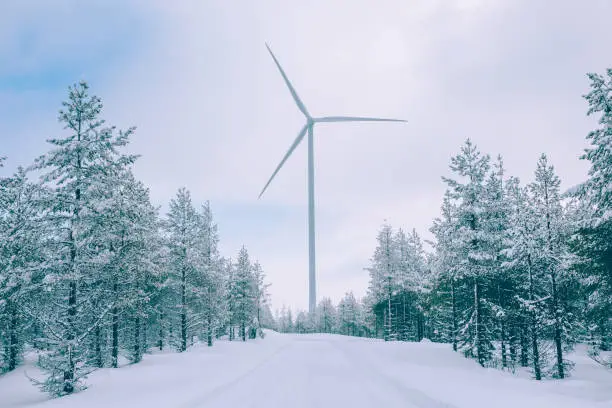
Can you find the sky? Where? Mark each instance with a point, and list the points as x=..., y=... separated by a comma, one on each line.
x=213, y=114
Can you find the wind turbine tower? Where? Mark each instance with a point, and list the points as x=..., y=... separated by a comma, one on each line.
x=308, y=128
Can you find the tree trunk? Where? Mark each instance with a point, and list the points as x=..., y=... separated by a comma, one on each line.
x=404, y=329
x=183, y=309
x=513, y=346
x=13, y=345
x=384, y=328
x=98, y=347
x=604, y=340
x=389, y=314
x=534, y=326
x=160, y=342
x=454, y=317
x=69, y=371
x=115, y=330
x=209, y=331
x=478, y=330
x=137, y=353
x=503, y=345
x=145, y=336
x=555, y=298
x=502, y=328
x=524, y=348
x=557, y=334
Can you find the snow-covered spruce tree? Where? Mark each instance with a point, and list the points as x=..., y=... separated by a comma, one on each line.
x=383, y=282
x=182, y=228
x=20, y=258
x=162, y=300
x=326, y=316
x=444, y=297
x=592, y=241
x=132, y=225
x=148, y=261
x=285, y=320
x=349, y=321
x=551, y=235
x=243, y=293
x=212, y=284
x=77, y=170
x=522, y=261
x=474, y=258
x=399, y=284
x=231, y=298
x=415, y=283
x=260, y=296
x=501, y=282
x=302, y=323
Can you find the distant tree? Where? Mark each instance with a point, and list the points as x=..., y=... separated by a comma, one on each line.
x=326, y=316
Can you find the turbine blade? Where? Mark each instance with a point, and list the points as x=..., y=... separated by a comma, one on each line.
x=296, y=98
x=296, y=142
x=354, y=119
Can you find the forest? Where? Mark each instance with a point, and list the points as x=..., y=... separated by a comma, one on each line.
x=92, y=276
x=518, y=273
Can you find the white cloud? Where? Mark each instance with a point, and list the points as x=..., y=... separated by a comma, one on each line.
x=214, y=115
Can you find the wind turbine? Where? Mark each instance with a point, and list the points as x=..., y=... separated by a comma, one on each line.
x=308, y=127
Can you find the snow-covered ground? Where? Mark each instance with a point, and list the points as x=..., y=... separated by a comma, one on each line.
x=300, y=371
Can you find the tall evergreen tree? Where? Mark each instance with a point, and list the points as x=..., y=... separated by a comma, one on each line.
x=591, y=242
x=551, y=235
x=475, y=259
x=182, y=226
x=20, y=258
x=77, y=169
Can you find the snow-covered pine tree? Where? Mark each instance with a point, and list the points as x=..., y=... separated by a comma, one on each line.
x=474, y=260
x=20, y=258
x=285, y=320
x=76, y=169
x=134, y=235
x=212, y=298
x=326, y=316
x=261, y=296
x=445, y=295
x=383, y=282
x=348, y=315
x=592, y=241
x=231, y=298
x=182, y=227
x=522, y=263
x=243, y=293
x=417, y=282
x=551, y=234
x=501, y=283
x=302, y=323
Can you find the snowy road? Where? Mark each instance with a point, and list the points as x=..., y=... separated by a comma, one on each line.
x=312, y=371
x=315, y=372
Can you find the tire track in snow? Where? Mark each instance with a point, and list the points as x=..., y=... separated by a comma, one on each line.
x=414, y=396
x=220, y=389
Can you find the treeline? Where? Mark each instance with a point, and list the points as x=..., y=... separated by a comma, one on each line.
x=90, y=273
x=349, y=317
x=518, y=273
